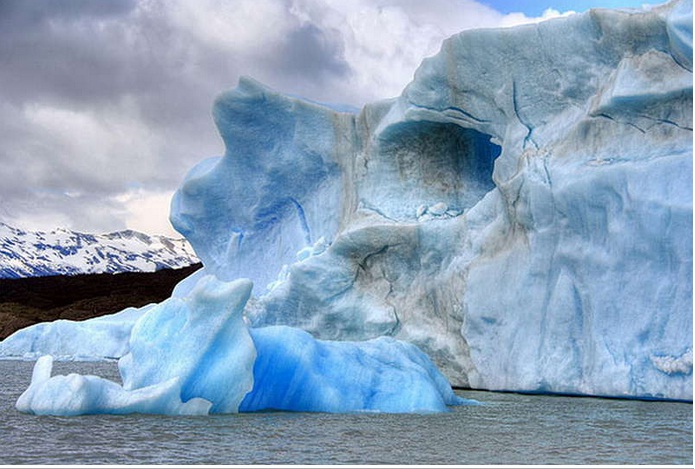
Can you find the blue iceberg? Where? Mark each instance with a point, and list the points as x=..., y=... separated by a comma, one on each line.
x=522, y=212
x=195, y=355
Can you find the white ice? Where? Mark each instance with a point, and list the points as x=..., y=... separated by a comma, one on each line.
x=103, y=337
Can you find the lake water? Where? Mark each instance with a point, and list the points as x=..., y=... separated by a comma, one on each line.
x=507, y=429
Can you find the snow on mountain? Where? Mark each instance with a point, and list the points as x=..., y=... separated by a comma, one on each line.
x=64, y=252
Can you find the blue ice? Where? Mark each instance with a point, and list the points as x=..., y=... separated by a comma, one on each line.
x=195, y=355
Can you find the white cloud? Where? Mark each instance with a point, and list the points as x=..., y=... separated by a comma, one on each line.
x=515, y=19
x=243, y=27
x=102, y=116
x=147, y=211
x=383, y=41
x=96, y=148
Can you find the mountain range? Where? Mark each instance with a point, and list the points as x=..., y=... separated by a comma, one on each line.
x=63, y=252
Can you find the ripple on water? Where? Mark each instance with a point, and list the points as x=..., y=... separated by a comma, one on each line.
x=508, y=429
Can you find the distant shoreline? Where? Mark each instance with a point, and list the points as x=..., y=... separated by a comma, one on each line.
x=31, y=300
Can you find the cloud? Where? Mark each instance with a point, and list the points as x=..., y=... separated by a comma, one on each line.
x=139, y=205
x=515, y=19
x=309, y=50
x=105, y=105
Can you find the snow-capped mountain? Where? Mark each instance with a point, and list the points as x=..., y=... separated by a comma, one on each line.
x=64, y=252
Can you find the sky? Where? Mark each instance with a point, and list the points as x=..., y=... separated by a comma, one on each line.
x=106, y=104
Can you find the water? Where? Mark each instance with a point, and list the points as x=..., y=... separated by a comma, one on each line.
x=508, y=429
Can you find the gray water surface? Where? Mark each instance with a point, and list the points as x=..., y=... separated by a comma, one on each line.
x=507, y=429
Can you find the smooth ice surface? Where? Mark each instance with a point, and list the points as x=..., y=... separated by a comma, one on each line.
x=194, y=355
x=296, y=372
x=187, y=355
x=74, y=394
x=200, y=340
x=278, y=184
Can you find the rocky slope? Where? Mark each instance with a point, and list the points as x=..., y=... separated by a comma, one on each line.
x=28, y=301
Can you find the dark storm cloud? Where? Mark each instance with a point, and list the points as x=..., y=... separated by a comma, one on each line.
x=86, y=57
x=91, y=51
x=102, y=98
x=75, y=51
x=309, y=51
x=105, y=59
x=40, y=40
x=19, y=14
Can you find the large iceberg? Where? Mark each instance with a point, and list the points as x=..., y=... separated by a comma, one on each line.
x=194, y=355
x=522, y=212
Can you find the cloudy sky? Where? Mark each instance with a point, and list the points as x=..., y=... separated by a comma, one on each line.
x=105, y=104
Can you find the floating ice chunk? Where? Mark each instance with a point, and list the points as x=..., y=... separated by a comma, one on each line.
x=42, y=369
x=201, y=340
x=187, y=355
x=92, y=339
x=582, y=214
x=296, y=372
x=195, y=355
x=77, y=395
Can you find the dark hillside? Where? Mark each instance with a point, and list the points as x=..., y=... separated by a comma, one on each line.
x=27, y=301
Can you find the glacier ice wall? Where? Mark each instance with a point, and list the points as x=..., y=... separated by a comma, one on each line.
x=522, y=212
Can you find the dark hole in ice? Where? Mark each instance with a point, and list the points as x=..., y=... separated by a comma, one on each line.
x=428, y=163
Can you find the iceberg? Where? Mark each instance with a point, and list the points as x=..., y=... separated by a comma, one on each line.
x=195, y=355
x=522, y=214
x=75, y=394
x=101, y=338
x=294, y=371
